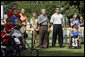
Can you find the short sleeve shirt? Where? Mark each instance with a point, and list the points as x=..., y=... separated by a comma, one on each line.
x=56, y=18
x=75, y=33
x=72, y=21
x=15, y=19
x=42, y=17
x=34, y=21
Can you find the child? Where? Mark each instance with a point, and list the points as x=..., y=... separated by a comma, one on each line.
x=74, y=36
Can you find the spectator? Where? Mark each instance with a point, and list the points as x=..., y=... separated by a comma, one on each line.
x=23, y=19
x=81, y=22
x=10, y=13
x=15, y=20
x=43, y=31
x=56, y=20
x=34, y=24
x=75, y=21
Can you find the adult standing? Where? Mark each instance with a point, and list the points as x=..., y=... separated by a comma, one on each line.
x=15, y=20
x=24, y=20
x=35, y=28
x=43, y=29
x=56, y=20
x=10, y=13
x=75, y=21
x=81, y=22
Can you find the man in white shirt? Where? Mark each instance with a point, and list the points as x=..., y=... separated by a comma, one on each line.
x=56, y=20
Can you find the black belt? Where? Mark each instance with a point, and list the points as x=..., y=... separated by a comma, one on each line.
x=43, y=25
x=58, y=24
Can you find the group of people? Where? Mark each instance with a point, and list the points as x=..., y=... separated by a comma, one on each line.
x=40, y=25
x=76, y=23
x=75, y=32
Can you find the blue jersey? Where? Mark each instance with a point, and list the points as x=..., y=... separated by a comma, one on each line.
x=14, y=19
x=76, y=24
x=75, y=33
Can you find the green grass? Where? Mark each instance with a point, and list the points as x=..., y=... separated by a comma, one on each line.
x=62, y=51
x=58, y=51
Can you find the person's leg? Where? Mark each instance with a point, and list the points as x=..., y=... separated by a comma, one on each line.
x=45, y=39
x=54, y=35
x=22, y=29
x=41, y=37
x=37, y=38
x=48, y=40
x=60, y=36
x=34, y=36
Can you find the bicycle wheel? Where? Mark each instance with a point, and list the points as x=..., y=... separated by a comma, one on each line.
x=34, y=52
x=2, y=53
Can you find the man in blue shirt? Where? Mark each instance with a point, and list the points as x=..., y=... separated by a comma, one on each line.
x=41, y=18
x=43, y=29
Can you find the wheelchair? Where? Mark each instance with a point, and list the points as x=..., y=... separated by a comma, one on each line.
x=74, y=42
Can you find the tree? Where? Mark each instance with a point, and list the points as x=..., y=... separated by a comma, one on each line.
x=67, y=7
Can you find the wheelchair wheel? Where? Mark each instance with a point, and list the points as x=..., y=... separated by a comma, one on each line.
x=34, y=52
x=79, y=44
x=70, y=44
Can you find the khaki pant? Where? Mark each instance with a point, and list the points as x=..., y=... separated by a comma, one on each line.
x=35, y=39
x=23, y=30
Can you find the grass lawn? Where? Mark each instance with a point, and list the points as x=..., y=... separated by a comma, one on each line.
x=58, y=51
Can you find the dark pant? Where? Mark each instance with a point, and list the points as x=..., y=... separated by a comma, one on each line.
x=57, y=30
x=43, y=34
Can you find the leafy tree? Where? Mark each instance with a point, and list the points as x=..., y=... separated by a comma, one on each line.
x=67, y=7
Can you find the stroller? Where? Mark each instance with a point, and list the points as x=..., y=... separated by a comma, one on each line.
x=74, y=42
x=12, y=42
x=10, y=45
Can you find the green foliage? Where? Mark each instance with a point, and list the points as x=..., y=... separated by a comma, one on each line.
x=67, y=7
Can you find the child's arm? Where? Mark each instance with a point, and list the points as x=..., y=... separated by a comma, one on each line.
x=73, y=23
x=71, y=33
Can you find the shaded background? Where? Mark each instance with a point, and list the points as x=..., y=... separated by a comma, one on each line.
x=67, y=8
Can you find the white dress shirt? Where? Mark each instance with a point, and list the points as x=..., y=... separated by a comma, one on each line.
x=56, y=18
